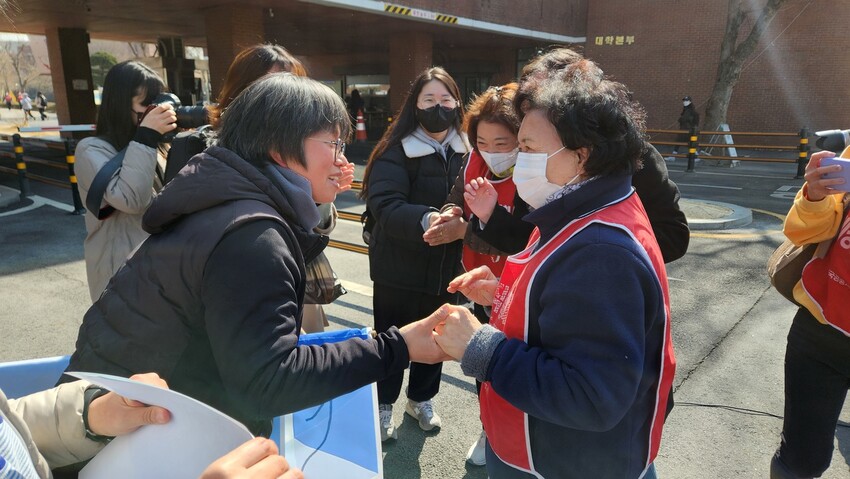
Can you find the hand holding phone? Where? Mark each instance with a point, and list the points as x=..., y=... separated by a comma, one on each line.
x=844, y=173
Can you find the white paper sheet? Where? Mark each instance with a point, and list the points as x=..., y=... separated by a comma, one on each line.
x=196, y=436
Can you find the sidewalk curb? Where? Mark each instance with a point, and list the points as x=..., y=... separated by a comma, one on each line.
x=732, y=215
x=8, y=196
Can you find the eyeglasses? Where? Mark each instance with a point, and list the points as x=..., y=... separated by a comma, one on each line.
x=445, y=102
x=339, y=146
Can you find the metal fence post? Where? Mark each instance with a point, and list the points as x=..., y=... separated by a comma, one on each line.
x=70, y=159
x=21, y=165
x=803, y=157
x=693, y=144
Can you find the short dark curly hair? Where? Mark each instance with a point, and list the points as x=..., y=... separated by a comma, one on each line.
x=587, y=109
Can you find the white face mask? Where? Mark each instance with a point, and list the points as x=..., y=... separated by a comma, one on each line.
x=530, y=178
x=500, y=163
x=686, y=103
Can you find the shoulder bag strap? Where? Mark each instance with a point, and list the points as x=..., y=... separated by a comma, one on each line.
x=99, y=184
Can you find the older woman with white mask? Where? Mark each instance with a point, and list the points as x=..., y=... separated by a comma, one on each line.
x=577, y=361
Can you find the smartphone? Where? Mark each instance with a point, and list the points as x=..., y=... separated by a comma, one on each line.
x=844, y=173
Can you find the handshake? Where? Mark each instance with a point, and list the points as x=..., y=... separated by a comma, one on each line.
x=445, y=334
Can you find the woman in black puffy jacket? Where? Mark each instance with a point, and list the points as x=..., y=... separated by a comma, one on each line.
x=407, y=180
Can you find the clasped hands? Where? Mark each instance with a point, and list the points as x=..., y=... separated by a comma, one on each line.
x=445, y=334
x=480, y=196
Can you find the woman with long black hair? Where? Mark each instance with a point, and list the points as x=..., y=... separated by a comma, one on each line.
x=126, y=120
x=407, y=180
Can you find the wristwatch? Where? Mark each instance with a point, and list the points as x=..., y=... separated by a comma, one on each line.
x=90, y=394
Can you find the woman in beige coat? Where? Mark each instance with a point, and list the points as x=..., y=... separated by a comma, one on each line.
x=126, y=119
x=55, y=428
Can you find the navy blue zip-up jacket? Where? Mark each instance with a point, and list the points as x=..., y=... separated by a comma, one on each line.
x=588, y=375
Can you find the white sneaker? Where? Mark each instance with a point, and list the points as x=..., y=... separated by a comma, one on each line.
x=424, y=413
x=476, y=454
x=385, y=414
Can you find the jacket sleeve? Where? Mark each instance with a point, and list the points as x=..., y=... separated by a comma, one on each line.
x=593, y=307
x=813, y=221
x=660, y=198
x=327, y=219
x=252, y=305
x=456, y=194
x=55, y=420
x=505, y=234
x=506, y=231
x=131, y=187
x=389, y=198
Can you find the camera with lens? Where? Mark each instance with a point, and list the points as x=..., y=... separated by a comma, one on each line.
x=833, y=140
x=187, y=116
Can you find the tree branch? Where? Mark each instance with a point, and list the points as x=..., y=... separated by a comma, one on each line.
x=746, y=47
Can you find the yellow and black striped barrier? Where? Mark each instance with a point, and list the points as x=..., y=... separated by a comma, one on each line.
x=693, y=139
x=21, y=165
x=803, y=156
x=397, y=9
x=410, y=12
x=70, y=159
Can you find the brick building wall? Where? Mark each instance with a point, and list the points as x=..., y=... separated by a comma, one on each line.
x=230, y=29
x=797, y=76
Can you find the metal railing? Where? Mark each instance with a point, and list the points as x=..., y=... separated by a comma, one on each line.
x=20, y=144
x=18, y=154
x=798, y=152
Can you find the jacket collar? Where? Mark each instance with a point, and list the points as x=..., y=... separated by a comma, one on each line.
x=592, y=196
x=415, y=147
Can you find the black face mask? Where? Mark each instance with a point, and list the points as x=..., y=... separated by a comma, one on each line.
x=436, y=118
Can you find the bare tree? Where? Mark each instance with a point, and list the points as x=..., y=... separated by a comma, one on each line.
x=136, y=48
x=139, y=49
x=733, y=54
x=21, y=61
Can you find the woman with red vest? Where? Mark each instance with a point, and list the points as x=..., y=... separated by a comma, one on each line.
x=486, y=215
x=577, y=361
x=817, y=359
x=483, y=208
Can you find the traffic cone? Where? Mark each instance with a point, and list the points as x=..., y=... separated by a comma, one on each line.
x=360, y=135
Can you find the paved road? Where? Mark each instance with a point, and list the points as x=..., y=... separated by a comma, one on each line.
x=728, y=328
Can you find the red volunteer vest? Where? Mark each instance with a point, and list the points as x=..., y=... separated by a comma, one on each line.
x=506, y=190
x=827, y=280
x=506, y=426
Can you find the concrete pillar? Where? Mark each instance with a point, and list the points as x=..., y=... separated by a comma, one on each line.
x=410, y=53
x=179, y=71
x=70, y=68
x=230, y=28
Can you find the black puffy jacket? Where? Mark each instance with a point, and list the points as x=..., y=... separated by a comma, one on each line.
x=212, y=300
x=407, y=181
x=660, y=197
